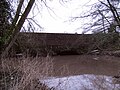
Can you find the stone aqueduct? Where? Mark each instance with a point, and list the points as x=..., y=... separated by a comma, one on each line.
x=61, y=43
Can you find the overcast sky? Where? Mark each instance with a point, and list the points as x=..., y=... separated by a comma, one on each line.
x=57, y=19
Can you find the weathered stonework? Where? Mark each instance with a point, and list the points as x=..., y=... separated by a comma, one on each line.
x=60, y=43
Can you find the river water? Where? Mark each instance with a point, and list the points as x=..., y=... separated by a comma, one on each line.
x=85, y=72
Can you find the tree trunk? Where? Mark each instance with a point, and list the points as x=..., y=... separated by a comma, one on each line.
x=18, y=28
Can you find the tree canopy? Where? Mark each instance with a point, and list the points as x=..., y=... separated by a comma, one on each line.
x=5, y=20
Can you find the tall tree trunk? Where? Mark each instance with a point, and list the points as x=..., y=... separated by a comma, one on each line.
x=18, y=28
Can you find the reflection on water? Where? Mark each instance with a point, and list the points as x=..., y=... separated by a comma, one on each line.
x=83, y=82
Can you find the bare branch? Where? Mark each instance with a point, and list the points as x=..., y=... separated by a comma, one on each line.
x=101, y=14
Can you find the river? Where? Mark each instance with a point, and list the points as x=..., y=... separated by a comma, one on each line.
x=85, y=72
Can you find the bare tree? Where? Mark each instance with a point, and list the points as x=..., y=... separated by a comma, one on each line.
x=103, y=20
x=20, y=16
x=103, y=15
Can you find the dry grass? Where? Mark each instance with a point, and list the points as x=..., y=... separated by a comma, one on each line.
x=25, y=73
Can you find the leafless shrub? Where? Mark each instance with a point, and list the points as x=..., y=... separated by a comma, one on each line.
x=25, y=73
